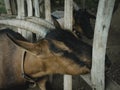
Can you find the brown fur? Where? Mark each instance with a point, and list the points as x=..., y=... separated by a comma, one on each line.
x=41, y=59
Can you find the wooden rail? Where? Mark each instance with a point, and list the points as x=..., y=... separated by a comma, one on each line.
x=68, y=12
x=104, y=15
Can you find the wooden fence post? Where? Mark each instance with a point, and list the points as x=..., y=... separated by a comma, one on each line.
x=48, y=10
x=13, y=7
x=47, y=5
x=29, y=8
x=29, y=13
x=8, y=7
x=37, y=13
x=68, y=16
x=21, y=14
x=36, y=6
x=42, y=12
x=104, y=14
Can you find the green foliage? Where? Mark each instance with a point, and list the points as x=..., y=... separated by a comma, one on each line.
x=2, y=7
x=90, y=4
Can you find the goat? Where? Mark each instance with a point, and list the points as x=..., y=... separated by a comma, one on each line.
x=81, y=22
x=58, y=52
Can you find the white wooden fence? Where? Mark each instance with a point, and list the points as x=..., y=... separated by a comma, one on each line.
x=105, y=9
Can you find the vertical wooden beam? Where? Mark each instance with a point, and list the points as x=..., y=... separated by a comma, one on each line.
x=48, y=10
x=8, y=7
x=68, y=15
x=29, y=8
x=21, y=9
x=47, y=4
x=42, y=11
x=30, y=13
x=21, y=15
x=104, y=14
x=13, y=7
x=37, y=9
x=37, y=13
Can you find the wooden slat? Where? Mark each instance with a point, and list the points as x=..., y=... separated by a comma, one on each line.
x=47, y=5
x=42, y=11
x=13, y=7
x=37, y=13
x=104, y=14
x=29, y=8
x=36, y=6
x=7, y=6
x=30, y=13
x=68, y=12
x=21, y=14
x=48, y=10
x=21, y=9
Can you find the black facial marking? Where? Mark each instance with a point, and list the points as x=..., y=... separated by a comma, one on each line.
x=82, y=18
x=65, y=53
x=73, y=57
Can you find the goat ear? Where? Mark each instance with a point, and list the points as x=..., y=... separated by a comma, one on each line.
x=56, y=23
x=27, y=46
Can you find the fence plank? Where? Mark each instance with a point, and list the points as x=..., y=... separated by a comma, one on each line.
x=29, y=13
x=21, y=15
x=13, y=7
x=48, y=10
x=7, y=6
x=36, y=6
x=29, y=8
x=42, y=11
x=105, y=9
x=68, y=12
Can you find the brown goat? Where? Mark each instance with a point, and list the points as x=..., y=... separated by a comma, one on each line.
x=81, y=23
x=59, y=52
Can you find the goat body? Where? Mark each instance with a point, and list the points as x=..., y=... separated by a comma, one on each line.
x=60, y=52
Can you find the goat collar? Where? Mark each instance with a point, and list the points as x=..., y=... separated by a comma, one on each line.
x=24, y=75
